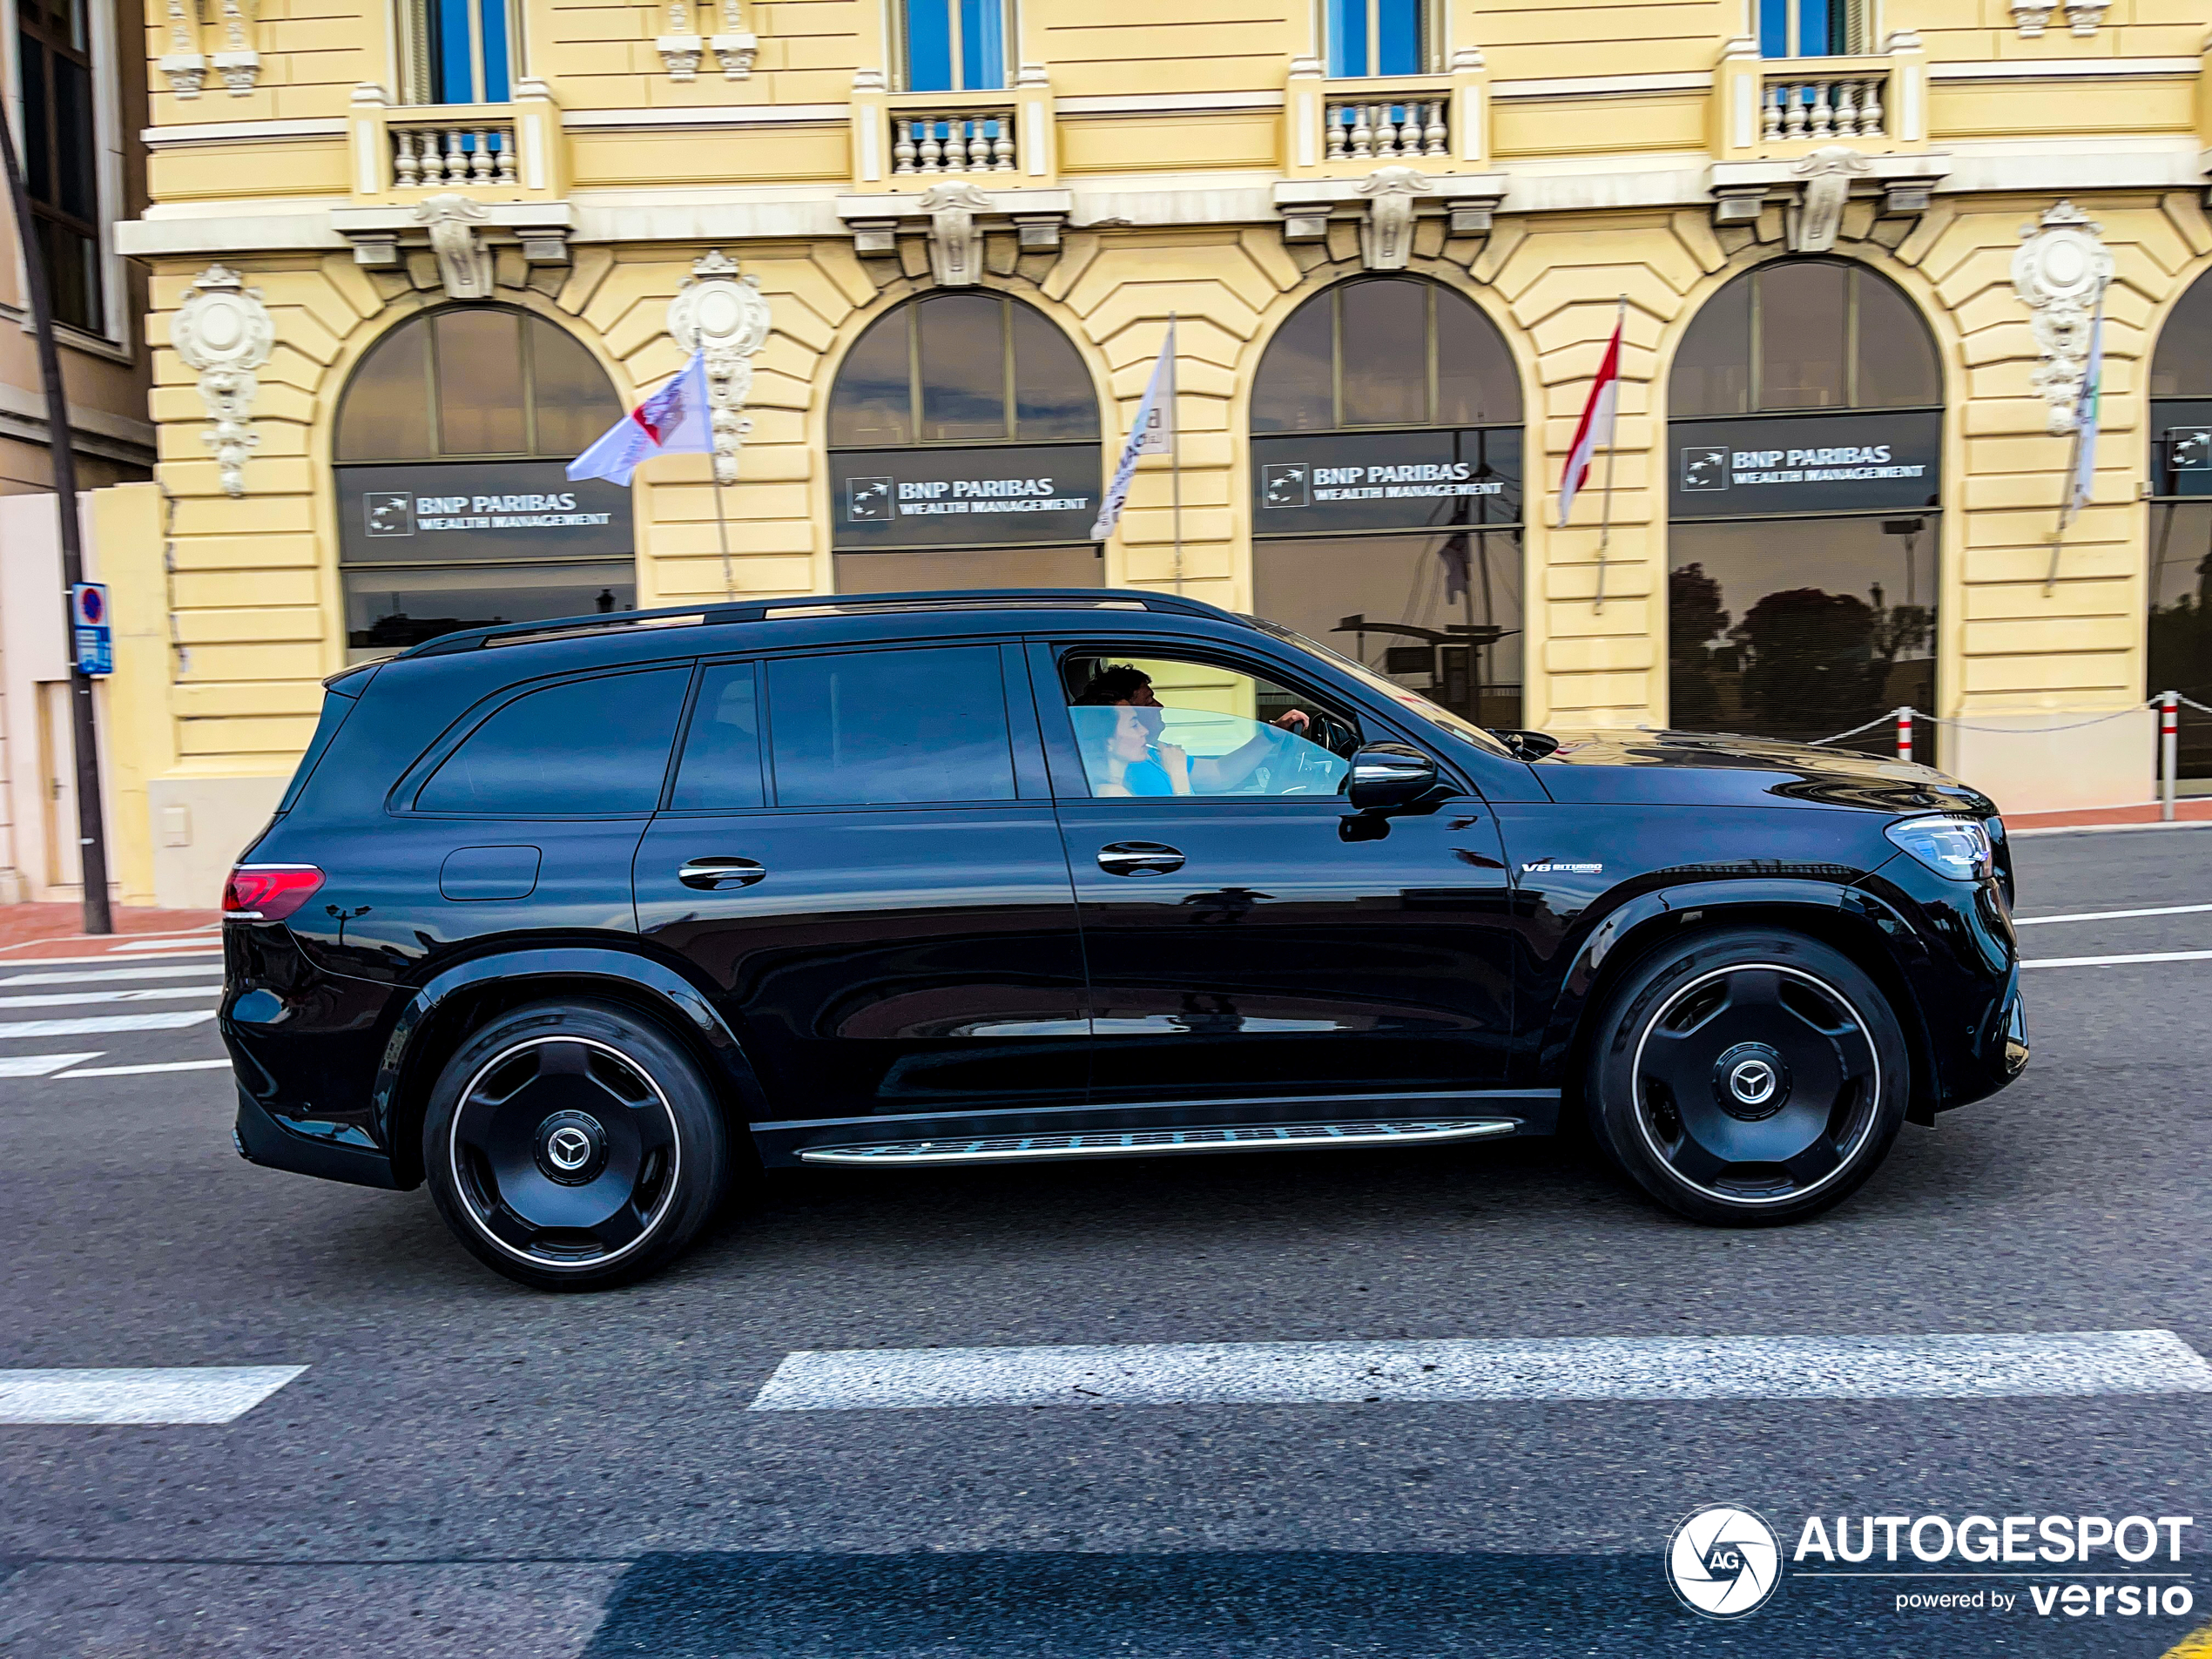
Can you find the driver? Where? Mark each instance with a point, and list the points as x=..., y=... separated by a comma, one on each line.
x=1124, y=686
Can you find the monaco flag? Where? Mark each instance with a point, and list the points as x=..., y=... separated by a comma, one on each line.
x=1597, y=423
x=673, y=420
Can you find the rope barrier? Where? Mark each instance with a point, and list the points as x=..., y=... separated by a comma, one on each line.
x=1854, y=732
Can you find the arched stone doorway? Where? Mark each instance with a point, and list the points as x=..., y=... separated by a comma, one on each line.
x=454, y=506
x=963, y=451
x=1804, y=445
x=1386, y=490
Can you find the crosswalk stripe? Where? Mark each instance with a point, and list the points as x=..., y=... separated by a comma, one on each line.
x=114, y=976
x=72, y=999
x=141, y=1071
x=150, y=1396
x=1546, y=1368
x=2112, y=916
x=148, y=946
x=87, y=962
x=106, y=1022
x=40, y=1065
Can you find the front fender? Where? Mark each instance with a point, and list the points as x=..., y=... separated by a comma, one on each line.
x=623, y=972
x=1620, y=935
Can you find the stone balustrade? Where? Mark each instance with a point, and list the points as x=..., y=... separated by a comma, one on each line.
x=430, y=153
x=1367, y=128
x=1830, y=106
x=968, y=142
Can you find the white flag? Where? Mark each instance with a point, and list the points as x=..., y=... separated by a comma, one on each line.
x=1151, y=434
x=673, y=420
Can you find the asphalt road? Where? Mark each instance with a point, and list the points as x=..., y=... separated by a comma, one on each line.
x=467, y=1468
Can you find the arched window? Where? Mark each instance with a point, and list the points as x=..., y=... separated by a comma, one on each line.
x=1804, y=440
x=964, y=451
x=2179, y=657
x=1386, y=498
x=454, y=506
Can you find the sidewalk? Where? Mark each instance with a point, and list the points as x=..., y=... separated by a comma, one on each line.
x=2197, y=811
x=35, y=932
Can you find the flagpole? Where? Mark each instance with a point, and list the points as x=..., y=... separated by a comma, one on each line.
x=721, y=531
x=2085, y=411
x=1612, y=445
x=1175, y=463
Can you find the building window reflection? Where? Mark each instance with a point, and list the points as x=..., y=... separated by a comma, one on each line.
x=1804, y=442
x=2180, y=643
x=964, y=451
x=455, y=510
x=954, y=45
x=1386, y=490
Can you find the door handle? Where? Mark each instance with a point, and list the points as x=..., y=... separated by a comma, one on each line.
x=1138, y=858
x=714, y=875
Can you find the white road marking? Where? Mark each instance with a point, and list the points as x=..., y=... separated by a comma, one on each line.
x=2097, y=962
x=139, y=1071
x=201, y=943
x=1547, y=1368
x=173, y=1394
x=37, y=1065
x=167, y=971
x=105, y=1023
x=2113, y=915
x=74, y=998
x=83, y=961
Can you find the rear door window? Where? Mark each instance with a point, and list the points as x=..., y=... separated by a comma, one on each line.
x=586, y=748
x=720, y=771
x=876, y=728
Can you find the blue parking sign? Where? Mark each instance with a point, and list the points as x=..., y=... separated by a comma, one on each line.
x=94, y=639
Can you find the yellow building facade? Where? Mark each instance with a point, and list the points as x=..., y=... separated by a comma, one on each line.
x=1858, y=292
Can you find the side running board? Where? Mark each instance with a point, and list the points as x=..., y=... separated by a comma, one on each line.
x=1148, y=1142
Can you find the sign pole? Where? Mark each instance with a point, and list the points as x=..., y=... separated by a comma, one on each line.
x=1612, y=446
x=721, y=528
x=91, y=828
x=1175, y=468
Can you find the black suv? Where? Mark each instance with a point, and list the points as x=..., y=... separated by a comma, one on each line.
x=568, y=919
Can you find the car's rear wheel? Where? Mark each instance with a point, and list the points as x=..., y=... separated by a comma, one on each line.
x=1747, y=1077
x=574, y=1145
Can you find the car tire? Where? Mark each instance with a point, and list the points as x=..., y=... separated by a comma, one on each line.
x=1747, y=1077
x=574, y=1146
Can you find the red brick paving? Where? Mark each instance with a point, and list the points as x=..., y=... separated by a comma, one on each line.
x=30, y=933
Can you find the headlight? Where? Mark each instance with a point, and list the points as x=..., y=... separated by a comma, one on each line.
x=1957, y=847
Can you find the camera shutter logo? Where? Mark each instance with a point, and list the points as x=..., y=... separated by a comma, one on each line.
x=1723, y=1561
x=388, y=512
x=1284, y=485
x=867, y=500
x=1704, y=469
x=2190, y=448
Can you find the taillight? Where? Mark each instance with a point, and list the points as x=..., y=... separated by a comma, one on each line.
x=268, y=892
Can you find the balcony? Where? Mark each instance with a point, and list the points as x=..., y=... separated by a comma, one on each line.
x=1788, y=107
x=1348, y=128
x=488, y=153
x=906, y=141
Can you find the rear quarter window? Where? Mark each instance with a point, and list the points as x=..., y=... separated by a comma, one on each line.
x=585, y=748
x=335, y=708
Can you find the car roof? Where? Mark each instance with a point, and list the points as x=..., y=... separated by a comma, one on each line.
x=847, y=606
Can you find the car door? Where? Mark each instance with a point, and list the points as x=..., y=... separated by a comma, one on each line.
x=875, y=890
x=1255, y=939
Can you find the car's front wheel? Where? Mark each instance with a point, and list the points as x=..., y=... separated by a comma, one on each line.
x=573, y=1145
x=1747, y=1077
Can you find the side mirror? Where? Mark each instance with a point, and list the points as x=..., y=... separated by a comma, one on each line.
x=1386, y=775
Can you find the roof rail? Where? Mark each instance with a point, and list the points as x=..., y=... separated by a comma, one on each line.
x=827, y=604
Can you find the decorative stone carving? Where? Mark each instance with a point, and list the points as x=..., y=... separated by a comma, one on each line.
x=1387, y=240
x=956, y=242
x=182, y=65
x=464, y=266
x=2086, y=14
x=2032, y=17
x=1828, y=174
x=238, y=63
x=223, y=332
x=725, y=316
x=2059, y=271
x=734, y=46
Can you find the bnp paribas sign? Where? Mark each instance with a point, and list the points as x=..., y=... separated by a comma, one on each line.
x=1783, y=465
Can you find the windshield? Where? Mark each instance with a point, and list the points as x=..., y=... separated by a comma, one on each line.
x=1413, y=701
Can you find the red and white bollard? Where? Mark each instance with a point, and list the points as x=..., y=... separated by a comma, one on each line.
x=2169, y=748
x=1905, y=734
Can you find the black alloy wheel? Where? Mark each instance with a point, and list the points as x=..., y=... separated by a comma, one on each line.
x=1747, y=1077
x=574, y=1145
